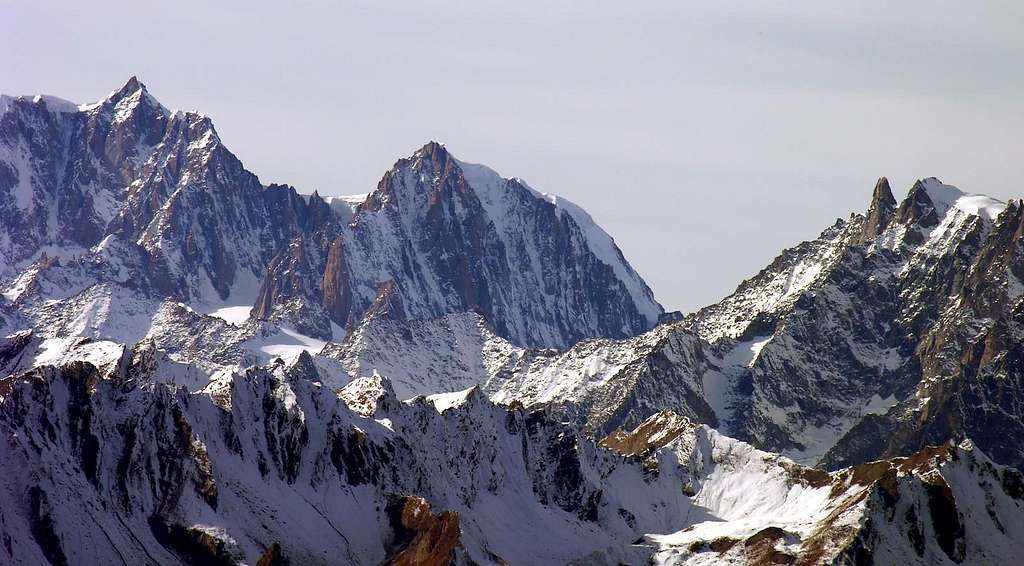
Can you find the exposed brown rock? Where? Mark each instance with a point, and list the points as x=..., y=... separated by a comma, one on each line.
x=918, y=208
x=426, y=539
x=192, y=545
x=276, y=287
x=760, y=547
x=273, y=557
x=722, y=545
x=336, y=292
x=388, y=303
x=880, y=213
x=657, y=431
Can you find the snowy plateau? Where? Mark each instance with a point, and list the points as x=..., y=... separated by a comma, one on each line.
x=455, y=368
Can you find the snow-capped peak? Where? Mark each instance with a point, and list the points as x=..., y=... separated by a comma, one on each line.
x=132, y=88
x=946, y=197
x=123, y=101
x=52, y=103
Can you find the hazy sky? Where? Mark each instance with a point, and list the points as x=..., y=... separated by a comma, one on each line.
x=703, y=136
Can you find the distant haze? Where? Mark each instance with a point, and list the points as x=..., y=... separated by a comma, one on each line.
x=704, y=137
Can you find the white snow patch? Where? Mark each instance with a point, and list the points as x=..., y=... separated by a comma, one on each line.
x=237, y=307
x=54, y=104
x=18, y=159
x=286, y=344
x=337, y=332
x=719, y=386
x=745, y=353
x=345, y=205
x=55, y=351
x=444, y=401
x=946, y=197
x=800, y=278
x=878, y=405
x=234, y=315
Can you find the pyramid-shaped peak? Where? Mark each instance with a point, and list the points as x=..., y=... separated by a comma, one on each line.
x=939, y=192
x=883, y=194
x=131, y=87
x=880, y=212
x=918, y=207
x=133, y=93
x=433, y=151
x=431, y=147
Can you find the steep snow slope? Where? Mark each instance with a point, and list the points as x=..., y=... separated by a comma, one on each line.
x=496, y=193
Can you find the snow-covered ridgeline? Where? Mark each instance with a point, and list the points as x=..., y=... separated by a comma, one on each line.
x=271, y=461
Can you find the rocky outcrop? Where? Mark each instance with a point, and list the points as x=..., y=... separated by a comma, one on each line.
x=285, y=295
x=654, y=433
x=336, y=292
x=891, y=332
x=423, y=538
x=880, y=212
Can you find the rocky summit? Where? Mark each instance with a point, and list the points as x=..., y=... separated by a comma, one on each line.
x=454, y=368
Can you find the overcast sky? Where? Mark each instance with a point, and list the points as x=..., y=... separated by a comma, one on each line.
x=704, y=136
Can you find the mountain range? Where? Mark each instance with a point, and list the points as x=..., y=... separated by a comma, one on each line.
x=455, y=368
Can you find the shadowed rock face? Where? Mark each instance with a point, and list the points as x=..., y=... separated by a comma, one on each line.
x=185, y=212
x=61, y=169
x=918, y=208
